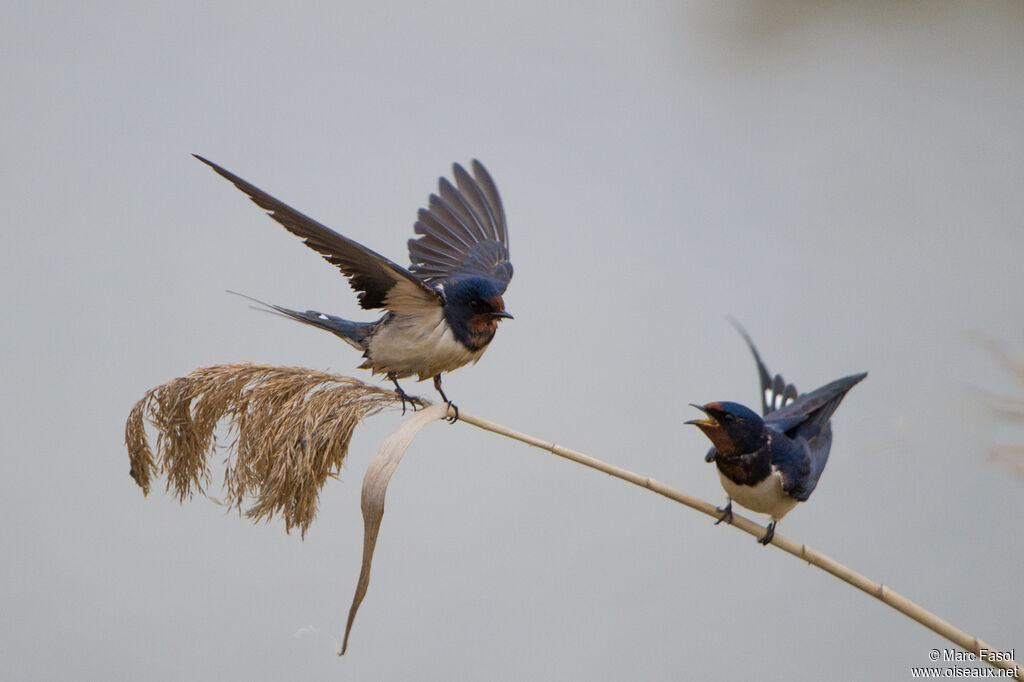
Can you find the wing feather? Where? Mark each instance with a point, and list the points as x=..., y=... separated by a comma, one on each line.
x=463, y=232
x=493, y=200
x=369, y=273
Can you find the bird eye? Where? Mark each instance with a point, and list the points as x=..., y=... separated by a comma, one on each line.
x=728, y=418
x=474, y=304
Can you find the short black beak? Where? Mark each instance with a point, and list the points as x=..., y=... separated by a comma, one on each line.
x=708, y=421
x=502, y=313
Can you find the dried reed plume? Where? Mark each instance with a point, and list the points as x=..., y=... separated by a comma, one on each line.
x=287, y=430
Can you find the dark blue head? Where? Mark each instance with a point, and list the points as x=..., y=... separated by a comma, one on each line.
x=733, y=428
x=473, y=308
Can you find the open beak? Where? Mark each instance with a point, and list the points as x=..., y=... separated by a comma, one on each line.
x=502, y=313
x=708, y=422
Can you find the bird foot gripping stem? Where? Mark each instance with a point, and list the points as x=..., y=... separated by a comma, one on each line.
x=405, y=397
x=453, y=407
x=726, y=513
x=411, y=399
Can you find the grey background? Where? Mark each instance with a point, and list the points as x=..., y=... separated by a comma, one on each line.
x=844, y=178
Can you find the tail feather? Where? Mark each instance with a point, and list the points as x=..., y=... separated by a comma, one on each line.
x=775, y=392
x=355, y=334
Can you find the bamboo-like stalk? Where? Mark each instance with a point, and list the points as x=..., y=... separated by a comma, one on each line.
x=815, y=558
x=292, y=427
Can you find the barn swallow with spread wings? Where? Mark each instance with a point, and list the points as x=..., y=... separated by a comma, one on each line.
x=443, y=311
x=771, y=462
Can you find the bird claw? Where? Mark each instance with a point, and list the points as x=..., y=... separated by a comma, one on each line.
x=769, y=534
x=451, y=405
x=726, y=513
x=406, y=398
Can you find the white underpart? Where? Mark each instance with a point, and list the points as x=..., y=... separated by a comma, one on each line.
x=420, y=343
x=767, y=497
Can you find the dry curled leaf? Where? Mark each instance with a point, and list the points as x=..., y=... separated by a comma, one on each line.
x=375, y=487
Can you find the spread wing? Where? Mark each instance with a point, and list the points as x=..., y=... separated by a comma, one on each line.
x=463, y=230
x=814, y=409
x=775, y=392
x=381, y=283
x=806, y=421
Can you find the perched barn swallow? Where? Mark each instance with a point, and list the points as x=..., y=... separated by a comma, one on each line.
x=442, y=312
x=770, y=464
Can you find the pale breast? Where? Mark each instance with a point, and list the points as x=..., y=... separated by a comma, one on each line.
x=419, y=343
x=767, y=497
